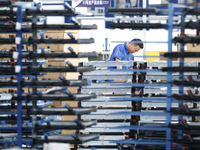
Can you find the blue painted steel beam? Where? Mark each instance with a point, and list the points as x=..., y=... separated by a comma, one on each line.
x=140, y=142
x=128, y=3
x=13, y=113
x=138, y=113
x=15, y=141
x=19, y=78
x=173, y=1
x=147, y=1
x=135, y=127
x=68, y=19
x=169, y=76
x=106, y=44
x=140, y=3
x=113, y=5
x=15, y=128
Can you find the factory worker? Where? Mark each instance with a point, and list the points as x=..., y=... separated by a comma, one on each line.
x=123, y=52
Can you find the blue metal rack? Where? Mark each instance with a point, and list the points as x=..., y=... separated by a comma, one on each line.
x=33, y=122
x=172, y=10
x=169, y=76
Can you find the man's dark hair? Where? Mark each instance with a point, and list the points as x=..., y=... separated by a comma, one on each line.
x=137, y=42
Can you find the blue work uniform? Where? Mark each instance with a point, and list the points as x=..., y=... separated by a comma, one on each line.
x=121, y=52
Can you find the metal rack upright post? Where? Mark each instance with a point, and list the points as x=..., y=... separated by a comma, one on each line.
x=19, y=76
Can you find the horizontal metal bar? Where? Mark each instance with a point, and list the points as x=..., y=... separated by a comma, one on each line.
x=100, y=117
x=164, y=63
x=108, y=111
x=109, y=124
x=106, y=130
x=150, y=18
x=108, y=63
x=163, y=77
x=93, y=143
x=173, y=74
x=139, y=99
x=140, y=84
x=163, y=90
x=179, y=6
x=106, y=103
x=138, y=70
x=141, y=142
x=106, y=77
x=138, y=113
x=107, y=97
x=15, y=128
x=131, y=63
x=163, y=104
x=161, y=118
x=135, y=127
x=107, y=72
x=106, y=90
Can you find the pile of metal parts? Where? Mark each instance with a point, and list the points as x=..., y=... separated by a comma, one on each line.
x=159, y=109
x=26, y=119
x=136, y=110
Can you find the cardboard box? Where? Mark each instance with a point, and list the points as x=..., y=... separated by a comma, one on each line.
x=68, y=117
x=56, y=62
x=56, y=34
x=11, y=34
x=72, y=75
x=55, y=103
x=68, y=131
x=7, y=47
x=76, y=61
x=52, y=47
x=190, y=48
x=75, y=47
x=73, y=90
x=5, y=90
x=70, y=103
x=52, y=76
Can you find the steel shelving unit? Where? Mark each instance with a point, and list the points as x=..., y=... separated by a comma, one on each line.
x=33, y=113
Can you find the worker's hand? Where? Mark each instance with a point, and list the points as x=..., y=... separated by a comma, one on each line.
x=118, y=67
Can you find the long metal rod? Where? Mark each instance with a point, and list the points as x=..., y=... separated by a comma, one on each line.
x=147, y=19
x=169, y=77
x=19, y=78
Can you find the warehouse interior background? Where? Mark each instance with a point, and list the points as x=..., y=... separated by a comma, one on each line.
x=126, y=35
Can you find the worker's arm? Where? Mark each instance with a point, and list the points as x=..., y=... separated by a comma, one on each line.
x=118, y=67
